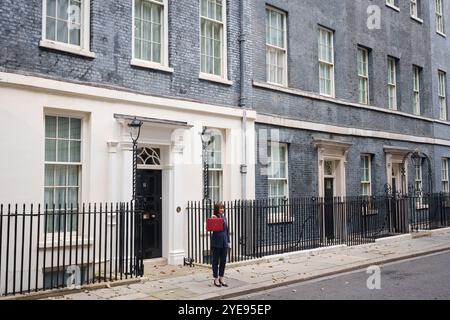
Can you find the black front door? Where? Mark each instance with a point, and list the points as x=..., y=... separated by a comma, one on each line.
x=149, y=199
x=329, y=196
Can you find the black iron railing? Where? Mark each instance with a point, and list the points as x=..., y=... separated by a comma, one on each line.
x=260, y=228
x=43, y=248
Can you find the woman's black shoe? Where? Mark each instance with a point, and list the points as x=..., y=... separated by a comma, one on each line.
x=223, y=284
x=217, y=285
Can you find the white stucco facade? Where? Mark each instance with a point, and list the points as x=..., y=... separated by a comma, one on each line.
x=106, y=148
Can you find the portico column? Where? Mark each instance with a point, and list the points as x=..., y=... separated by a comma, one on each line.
x=177, y=215
x=127, y=171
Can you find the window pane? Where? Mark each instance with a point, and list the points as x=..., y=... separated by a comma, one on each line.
x=51, y=8
x=49, y=175
x=50, y=127
x=60, y=197
x=156, y=53
x=137, y=8
x=51, y=29
x=62, y=31
x=72, y=176
x=75, y=128
x=75, y=36
x=204, y=11
x=146, y=52
x=63, y=151
x=63, y=9
x=48, y=197
x=60, y=175
x=75, y=151
x=50, y=150
x=72, y=198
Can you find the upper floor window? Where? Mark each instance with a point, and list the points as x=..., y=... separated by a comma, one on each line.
x=445, y=175
x=213, y=38
x=278, y=171
x=326, y=62
x=393, y=4
x=62, y=170
x=150, y=32
x=440, y=17
x=276, y=47
x=416, y=90
x=366, y=176
x=392, y=83
x=65, y=26
x=215, y=168
x=442, y=83
x=363, y=75
x=415, y=8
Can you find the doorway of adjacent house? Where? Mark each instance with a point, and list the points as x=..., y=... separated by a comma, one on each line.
x=149, y=199
x=329, y=194
x=397, y=178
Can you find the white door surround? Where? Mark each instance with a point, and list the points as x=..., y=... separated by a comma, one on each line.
x=168, y=137
x=336, y=152
x=394, y=167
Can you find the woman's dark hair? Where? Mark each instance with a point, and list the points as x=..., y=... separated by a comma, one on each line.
x=217, y=207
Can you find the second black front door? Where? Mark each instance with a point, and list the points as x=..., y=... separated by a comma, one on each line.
x=149, y=200
x=329, y=197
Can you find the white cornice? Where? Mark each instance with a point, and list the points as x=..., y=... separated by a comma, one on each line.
x=46, y=84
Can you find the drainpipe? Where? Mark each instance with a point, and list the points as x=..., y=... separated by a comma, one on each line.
x=243, y=98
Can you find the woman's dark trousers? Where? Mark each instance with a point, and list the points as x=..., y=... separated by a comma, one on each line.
x=219, y=260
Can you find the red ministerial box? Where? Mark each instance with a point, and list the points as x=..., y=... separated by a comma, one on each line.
x=214, y=224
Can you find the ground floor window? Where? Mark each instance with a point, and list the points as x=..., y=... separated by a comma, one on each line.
x=445, y=175
x=62, y=172
x=278, y=171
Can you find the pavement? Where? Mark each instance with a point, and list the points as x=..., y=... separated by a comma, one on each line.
x=185, y=283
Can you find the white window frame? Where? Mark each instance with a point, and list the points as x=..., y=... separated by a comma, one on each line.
x=164, y=65
x=442, y=93
x=284, y=51
x=84, y=48
x=64, y=164
x=416, y=91
x=213, y=169
x=223, y=78
x=277, y=214
x=392, y=85
x=414, y=8
x=363, y=53
x=391, y=4
x=327, y=64
x=366, y=182
x=445, y=175
x=440, y=23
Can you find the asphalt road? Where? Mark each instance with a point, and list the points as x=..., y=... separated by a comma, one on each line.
x=424, y=278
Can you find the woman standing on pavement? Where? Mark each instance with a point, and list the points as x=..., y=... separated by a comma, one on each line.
x=220, y=242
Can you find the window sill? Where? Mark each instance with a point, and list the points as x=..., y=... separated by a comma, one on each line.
x=278, y=218
x=48, y=244
x=421, y=206
x=441, y=34
x=277, y=84
x=417, y=19
x=213, y=78
x=150, y=65
x=66, y=48
x=393, y=7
